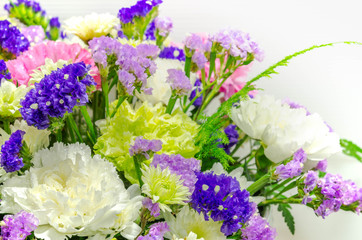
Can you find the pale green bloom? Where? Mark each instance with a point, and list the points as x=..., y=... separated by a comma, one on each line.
x=164, y=187
x=38, y=74
x=10, y=97
x=176, y=132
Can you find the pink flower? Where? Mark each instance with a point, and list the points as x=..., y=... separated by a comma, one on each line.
x=21, y=67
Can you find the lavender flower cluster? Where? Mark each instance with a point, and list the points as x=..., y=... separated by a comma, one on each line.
x=220, y=197
x=186, y=168
x=197, y=89
x=4, y=72
x=157, y=230
x=56, y=94
x=334, y=192
x=293, y=168
x=258, y=229
x=140, y=9
x=35, y=6
x=233, y=136
x=18, y=226
x=144, y=146
x=9, y=156
x=172, y=53
x=163, y=25
x=135, y=63
x=179, y=82
x=11, y=39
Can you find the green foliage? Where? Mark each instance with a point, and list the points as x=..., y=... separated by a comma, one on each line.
x=288, y=217
x=351, y=149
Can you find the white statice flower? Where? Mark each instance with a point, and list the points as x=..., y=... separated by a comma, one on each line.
x=10, y=97
x=73, y=193
x=188, y=224
x=283, y=130
x=38, y=74
x=161, y=90
x=91, y=26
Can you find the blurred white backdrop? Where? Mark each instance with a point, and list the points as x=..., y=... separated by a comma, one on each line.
x=327, y=81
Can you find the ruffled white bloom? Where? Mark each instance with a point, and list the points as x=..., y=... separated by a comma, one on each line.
x=38, y=74
x=73, y=193
x=161, y=90
x=189, y=223
x=284, y=130
x=91, y=26
x=10, y=97
x=191, y=236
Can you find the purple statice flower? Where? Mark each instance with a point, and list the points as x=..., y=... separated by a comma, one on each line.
x=193, y=42
x=18, y=226
x=104, y=47
x=28, y=3
x=150, y=31
x=310, y=181
x=197, y=88
x=144, y=147
x=186, y=168
x=220, y=197
x=34, y=34
x=172, y=53
x=10, y=150
x=4, y=72
x=200, y=59
x=257, y=228
x=157, y=230
x=154, y=208
x=178, y=81
x=294, y=167
x=11, y=39
x=54, y=22
x=295, y=105
x=148, y=51
x=163, y=25
x=233, y=136
x=237, y=44
x=140, y=9
x=56, y=94
x=322, y=165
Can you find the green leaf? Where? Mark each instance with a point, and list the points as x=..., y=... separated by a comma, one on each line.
x=351, y=149
x=288, y=217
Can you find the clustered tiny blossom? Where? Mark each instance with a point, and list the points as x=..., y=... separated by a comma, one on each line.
x=172, y=52
x=163, y=25
x=9, y=156
x=293, y=168
x=143, y=146
x=140, y=9
x=179, y=82
x=156, y=232
x=18, y=226
x=11, y=39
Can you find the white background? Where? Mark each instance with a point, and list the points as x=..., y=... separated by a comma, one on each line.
x=327, y=81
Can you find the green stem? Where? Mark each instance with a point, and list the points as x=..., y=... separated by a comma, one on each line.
x=95, y=106
x=75, y=128
x=287, y=188
x=89, y=123
x=7, y=126
x=187, y=66
x=238, y=145
x=283, y=201
x=212, y=65
x=171, y=103
x=119, y=102
x=259, y=184
x=105, y=95
x=278, y=186
x=70, y=129
x=59, y=135
x=137, y=166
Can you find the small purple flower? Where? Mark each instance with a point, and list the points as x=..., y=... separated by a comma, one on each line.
x=172, y=53
x=197, y=88
x=154, y=208
x=148, y=51
x=310, y=181
x=18, y=226
x=200, y=59
x=184, y=167
x=193, y=42
x=233, y=137
x=178, y=81
x=157, y=230
x=10, y=150
x=144, y=146
x=140, y=9
x=163, y=25
x=4, y=72
x=11, y=39
x=257, y=228
x=150, y=31
x=54, y=22
x=294, y=167
x=34, y=34
x=322, y=165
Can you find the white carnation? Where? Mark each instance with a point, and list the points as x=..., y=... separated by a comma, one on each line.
x=284, y=130
x=73, y=193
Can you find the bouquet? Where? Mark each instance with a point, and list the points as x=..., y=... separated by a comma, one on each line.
x=106, y=133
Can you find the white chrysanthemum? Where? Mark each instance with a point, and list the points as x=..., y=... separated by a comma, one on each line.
x=161, y=90
x=38, y=74
x=10, y=97
x=191, y=236
x=91, y=26
x=189, y=221
x=73, y=193
x=135, y=43
x=284, y=130
x=164, y=187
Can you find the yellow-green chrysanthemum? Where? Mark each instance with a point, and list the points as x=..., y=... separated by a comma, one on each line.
x=46, y=69
x=163, y=187
x=91, y=26
x=10, y=97
x=176, y=131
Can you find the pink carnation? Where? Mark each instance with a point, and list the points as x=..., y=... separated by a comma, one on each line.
x=21, y=67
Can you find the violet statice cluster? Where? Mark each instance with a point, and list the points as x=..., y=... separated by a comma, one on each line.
x=4, y=72
x=195, y=43
x=35, y=6
x=156, y=232
x=150, y=31
x=35, y=34
x=56, y=94
x=172, y=53
x=144, y=147
x=18, y=226
x=197, y=88
x=154, y=208
x=220, y=197
x=293, y=168
x=179, y=82
x=258, y=228
x=54, y=22
x=237, y=44
x=233, y=136
x=140, y=9
x=135, y=63
x=163, y=26
x=186, y=168
x=10, y=151
x=11, y=39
